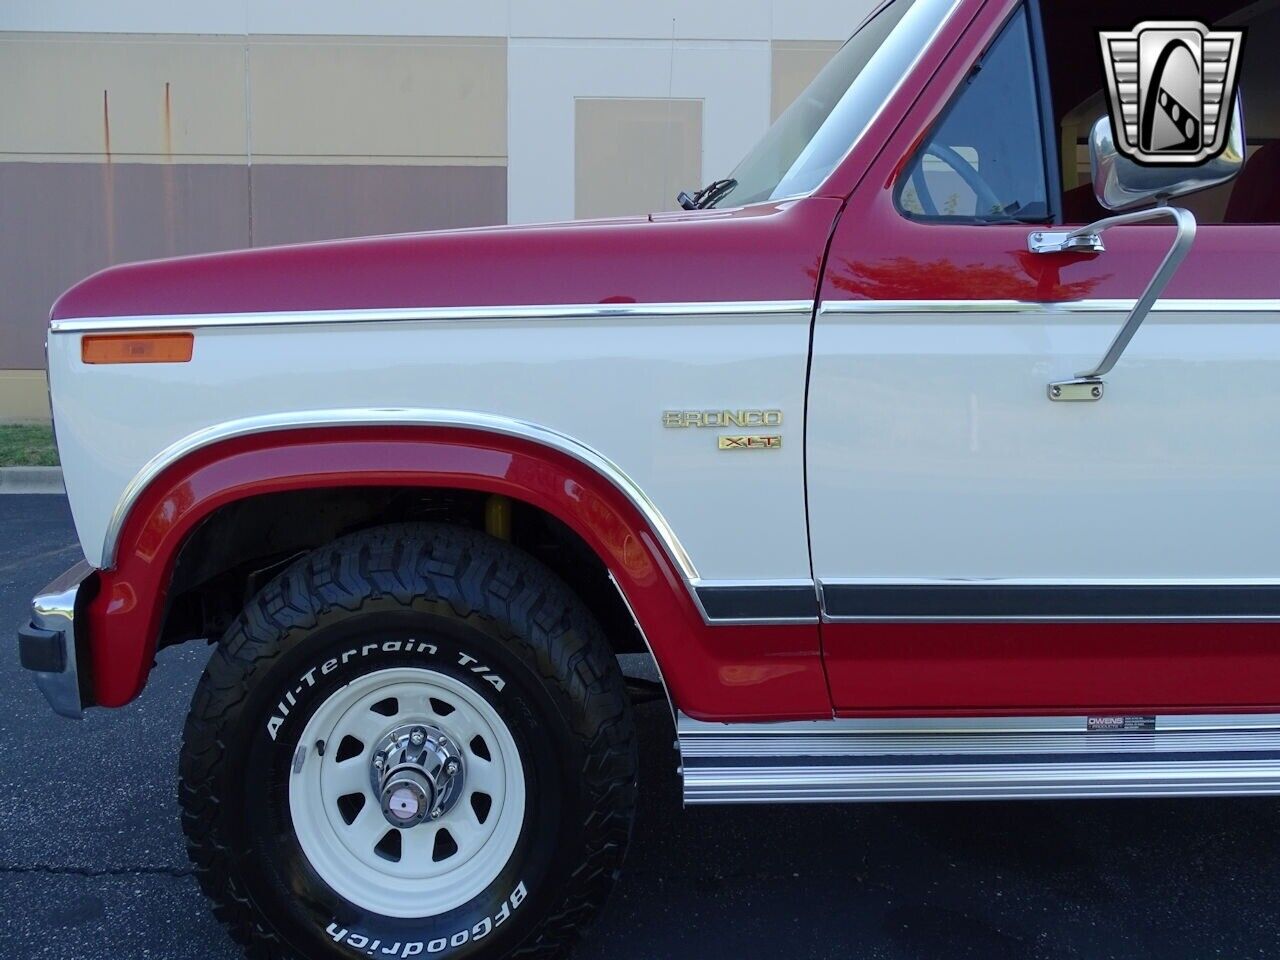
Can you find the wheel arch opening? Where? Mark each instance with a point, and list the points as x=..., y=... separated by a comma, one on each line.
x=242, y=545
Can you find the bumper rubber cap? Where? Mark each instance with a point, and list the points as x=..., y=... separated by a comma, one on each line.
x=41, y=650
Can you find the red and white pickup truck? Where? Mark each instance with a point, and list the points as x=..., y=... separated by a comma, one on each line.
x=920, y=476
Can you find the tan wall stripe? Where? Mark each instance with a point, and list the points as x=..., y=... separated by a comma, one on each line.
x=24, y=396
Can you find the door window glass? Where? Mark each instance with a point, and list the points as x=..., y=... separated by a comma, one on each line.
x=984, y=161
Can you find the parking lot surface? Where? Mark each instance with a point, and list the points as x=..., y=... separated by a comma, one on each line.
x=92, y=862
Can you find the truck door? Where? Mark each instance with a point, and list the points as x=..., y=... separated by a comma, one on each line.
x=981, y=548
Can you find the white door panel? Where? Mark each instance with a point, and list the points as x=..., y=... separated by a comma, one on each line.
x=934, y=452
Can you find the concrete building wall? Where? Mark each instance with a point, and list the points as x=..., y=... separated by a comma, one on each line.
x=151, y=128
x=654, y=147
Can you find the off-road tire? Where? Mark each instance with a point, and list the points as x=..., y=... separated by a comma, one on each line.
x=563, y=697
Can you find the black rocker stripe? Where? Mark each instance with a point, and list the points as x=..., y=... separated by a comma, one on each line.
x=976, y=601
x=766, y=602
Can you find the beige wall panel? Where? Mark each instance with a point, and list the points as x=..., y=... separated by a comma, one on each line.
x=795, y=63
x=54, y=95
x=24, y=396
x=438, y=99
x=634, y=156
x=296, y=202
x=59, y=222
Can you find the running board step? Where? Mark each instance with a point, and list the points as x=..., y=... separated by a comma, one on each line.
x=993, y=758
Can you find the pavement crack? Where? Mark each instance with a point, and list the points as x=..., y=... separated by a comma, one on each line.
x=56, y=870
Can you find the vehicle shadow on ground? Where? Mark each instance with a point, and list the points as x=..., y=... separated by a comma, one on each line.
x=1089, y=879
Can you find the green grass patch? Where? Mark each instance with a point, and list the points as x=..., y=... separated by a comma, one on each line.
x=27, y=445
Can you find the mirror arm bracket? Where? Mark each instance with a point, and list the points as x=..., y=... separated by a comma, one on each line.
x=1082, y=240
x=1088, y=239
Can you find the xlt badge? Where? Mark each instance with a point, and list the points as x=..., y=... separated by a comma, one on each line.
x=773, y=442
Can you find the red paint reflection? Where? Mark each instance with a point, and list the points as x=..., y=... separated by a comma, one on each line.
x=902, y=278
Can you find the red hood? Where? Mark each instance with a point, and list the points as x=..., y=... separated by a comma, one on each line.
x=762, y=252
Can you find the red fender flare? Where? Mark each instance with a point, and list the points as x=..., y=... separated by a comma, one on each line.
x=721, y=672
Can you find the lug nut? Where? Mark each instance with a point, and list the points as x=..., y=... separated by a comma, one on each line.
x=436, y=814
x=451, y=768
x=418, y=738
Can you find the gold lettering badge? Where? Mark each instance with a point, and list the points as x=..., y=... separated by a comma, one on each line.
x=750, y=443
x=722, y=418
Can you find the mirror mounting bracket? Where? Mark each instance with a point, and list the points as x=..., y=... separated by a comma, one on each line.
x=1080, y=389
x=1063, y=241
x=1088, y=384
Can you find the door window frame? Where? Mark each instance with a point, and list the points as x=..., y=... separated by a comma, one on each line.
x=1044, y=109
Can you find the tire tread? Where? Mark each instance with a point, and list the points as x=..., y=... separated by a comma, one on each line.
x=481, y=579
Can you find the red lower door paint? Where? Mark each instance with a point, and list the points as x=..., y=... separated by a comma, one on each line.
x=919, y=669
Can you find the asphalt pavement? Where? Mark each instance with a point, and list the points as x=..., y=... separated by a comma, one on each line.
x=92, y=862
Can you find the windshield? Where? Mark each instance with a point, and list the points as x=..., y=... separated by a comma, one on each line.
x=815, y=132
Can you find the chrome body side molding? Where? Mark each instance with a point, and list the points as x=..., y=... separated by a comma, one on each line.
x=571, y=311
x=945, y=307
x=657, y=664
x=606, y=311
x=979, y=758
x=395, y=417
x=790, y=601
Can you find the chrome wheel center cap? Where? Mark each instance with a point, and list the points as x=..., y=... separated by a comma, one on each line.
x=417, y=774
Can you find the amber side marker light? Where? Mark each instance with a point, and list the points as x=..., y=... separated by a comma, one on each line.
x=138, y=348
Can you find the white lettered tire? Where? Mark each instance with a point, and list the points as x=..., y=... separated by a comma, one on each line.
x=413, y=742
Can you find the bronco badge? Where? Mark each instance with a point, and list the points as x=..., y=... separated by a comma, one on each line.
x=722, y=418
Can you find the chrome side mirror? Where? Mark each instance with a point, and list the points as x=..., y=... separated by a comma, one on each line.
x=1120, y=183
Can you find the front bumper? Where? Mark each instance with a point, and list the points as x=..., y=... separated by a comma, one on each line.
x=47, y=644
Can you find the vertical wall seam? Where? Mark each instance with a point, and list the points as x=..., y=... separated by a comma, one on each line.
x=671, y=86
x=248, y=130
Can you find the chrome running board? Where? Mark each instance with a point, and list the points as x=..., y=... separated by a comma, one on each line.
x=984, y=758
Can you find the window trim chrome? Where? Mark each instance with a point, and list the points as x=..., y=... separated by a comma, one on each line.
x=909, y=39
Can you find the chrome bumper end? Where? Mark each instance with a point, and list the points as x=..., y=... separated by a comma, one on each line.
x=47, y=644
